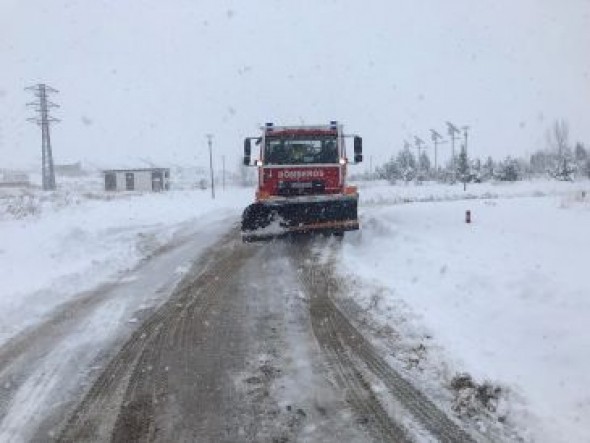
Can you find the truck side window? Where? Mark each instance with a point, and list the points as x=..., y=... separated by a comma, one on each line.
x=330, y=152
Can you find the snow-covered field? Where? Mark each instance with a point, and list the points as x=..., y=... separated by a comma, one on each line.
x=55, y=245
x=381, y=193
x=505, y=297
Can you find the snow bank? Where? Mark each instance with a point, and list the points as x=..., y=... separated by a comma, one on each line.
x=76, y=240
x=506, y=296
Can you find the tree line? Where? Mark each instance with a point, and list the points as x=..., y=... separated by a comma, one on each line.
x=559, y=160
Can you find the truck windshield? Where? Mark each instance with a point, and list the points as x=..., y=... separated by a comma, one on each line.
x=300, y=151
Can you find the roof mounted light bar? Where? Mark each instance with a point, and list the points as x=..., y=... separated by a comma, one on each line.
x=333, y=126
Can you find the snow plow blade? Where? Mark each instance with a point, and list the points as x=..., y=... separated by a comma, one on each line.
x=276, y=218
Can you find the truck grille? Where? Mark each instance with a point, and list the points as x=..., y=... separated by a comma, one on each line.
x=301, y=188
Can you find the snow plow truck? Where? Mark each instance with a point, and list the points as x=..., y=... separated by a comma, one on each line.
x=301, y=182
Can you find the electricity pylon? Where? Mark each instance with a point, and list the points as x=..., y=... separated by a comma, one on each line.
x=44, y=120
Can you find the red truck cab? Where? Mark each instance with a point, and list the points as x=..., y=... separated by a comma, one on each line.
x=302, y=178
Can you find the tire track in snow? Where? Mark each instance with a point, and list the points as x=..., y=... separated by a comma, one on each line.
x=339, y=338
x=44, y=370
x=121, y=404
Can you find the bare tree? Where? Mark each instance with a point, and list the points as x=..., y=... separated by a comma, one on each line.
x=558, y=141
x=560, y=132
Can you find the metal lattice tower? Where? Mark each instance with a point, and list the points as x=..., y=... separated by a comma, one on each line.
x=44, y=120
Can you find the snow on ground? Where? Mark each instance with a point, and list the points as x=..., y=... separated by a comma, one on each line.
x=382, y=193
x=506, y=297
x=55, y=245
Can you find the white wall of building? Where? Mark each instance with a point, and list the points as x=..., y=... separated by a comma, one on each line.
x=142, y=180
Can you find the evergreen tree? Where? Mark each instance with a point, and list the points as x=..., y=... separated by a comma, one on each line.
x=508, y=170
x=487, y=170
x=463, y=168
x=406, y=162
x=580, y=156
x=476, y=170
x=424, y=165
x=390, y=171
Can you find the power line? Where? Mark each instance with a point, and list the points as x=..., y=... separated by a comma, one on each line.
x=44, y=120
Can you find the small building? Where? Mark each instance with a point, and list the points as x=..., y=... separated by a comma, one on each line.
x=14, y=179
x=145, y=179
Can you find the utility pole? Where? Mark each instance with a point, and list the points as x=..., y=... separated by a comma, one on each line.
x=210, y=142
x=419, y=142
x=465, y=134
x=453, y=131
x=44, y=120
x=223, y=171
x=435, y=136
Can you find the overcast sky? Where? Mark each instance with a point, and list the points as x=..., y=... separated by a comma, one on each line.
x=148, y=79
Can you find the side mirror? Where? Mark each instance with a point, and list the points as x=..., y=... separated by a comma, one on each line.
x=247, y=151
x=358, y=149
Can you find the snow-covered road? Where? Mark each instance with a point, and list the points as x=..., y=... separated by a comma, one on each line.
x=229, y=353
x=234, y=355
x=45, y=369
